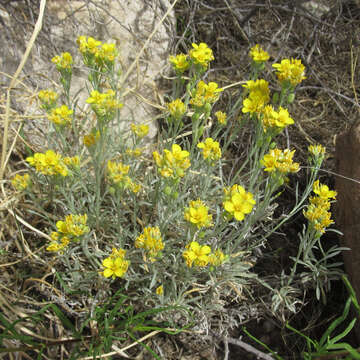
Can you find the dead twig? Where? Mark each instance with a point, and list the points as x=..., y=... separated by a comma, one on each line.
x=259, y=354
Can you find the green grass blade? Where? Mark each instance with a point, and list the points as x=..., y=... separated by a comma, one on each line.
x=335, y=323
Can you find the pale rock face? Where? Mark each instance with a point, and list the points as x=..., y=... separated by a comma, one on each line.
x=128, y=23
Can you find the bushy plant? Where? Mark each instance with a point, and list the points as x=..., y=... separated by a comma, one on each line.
x=176, y=222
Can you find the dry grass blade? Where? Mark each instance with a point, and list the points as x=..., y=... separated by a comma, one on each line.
x=36, y=31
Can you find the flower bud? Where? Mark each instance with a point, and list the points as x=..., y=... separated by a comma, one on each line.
x=291, y=98
x=167, y=190
x=207, y=108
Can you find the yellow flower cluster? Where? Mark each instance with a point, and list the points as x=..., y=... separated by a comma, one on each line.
x=72, y=161
x=21, y=182
x=172, y=163
x=317, y=211
x=117, y=174
x=258, y=54
x=88, y=45
x=107, y=52
x=238, y=202
x=140, y=130
x=137, y=152
x=72, y=228
x=275, y=119
x=221, y=117
x=217, y=257
x=49, y=163
x=104, y=104
x=61, y=116
x=280, y=161
x=151, y=241
x=94, y=49
x=198, y=214
x=63, y=61
x=48, y=98
x=291, y=70
x=115, y=265
x=201, y=255
x=58, y=242
x=117, y=171
x=259, y=96
x=317, y=150
x=210, y=150
x=201, y=54
x=180, y=62
x=176, y=108
x=92, y=138
x=205, y=94
x=323, y=191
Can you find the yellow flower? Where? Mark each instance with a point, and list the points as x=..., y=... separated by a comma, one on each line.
x=159, y=290
x=58, y=244
x=258, y=54
x=72, y=161
x=210, y=150
x=180, y=62
x=140, y=130
x=317, y=150
x=117, y=171
x=273, y=119
x=91, y=139
x=48, y=98
x=134, y=152
x=291, y=70
x=260, y=85
x=196, y=254
x=117, y=174
x=63, y=61
x=259, y=96
x=135, y=188
x=221, y=117
x=73, y=225
x=176, y=108
x=115, y=253
x=217, y=258
x=201, y=54
x=49, y=163
x=172, y=163
x=107, y=53
x=115, y=266
x=205, y=94
x=238, y=202
x=104, y=104
x=323, y=191
x=61, y=115
x=177, y=153
x=198, y=214
x=151, y=241
x=89, y=45
x=318, y=215
x=21, y=182
x=280, y=160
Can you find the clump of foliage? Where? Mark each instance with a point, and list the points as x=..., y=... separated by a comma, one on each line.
x=176, y=225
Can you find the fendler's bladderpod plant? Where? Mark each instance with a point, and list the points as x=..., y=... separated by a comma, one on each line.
x=175, y=223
